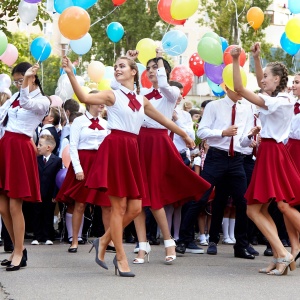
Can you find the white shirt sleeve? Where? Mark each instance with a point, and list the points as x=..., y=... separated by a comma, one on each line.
x=170, y=92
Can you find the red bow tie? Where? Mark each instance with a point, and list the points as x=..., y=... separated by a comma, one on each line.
x=154, y=94
x=95, y=124
x=134, y=104
x=297, y=108
x=15, y=103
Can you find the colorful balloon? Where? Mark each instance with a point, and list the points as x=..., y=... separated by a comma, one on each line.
x=60, y=177
x=294, y=6
x=183, y=9
x=210, y=51
x=32, y=1
x=74, y=23
x=214, y=87
x=185, y=76
x=118, y=2
x=83, y=45
x=85, y=89
x=196, y=64
x=109, y=72
x=212, y=35
x=214, y=73
x=56, y=100
x=228, y=76
x=104, y=85
x=227, y=58
x=147, y=50
x=62, y=71
x=288, y=46
x=85, y=4
x=255, y=17
x=3, y=42
x=146, y=83
x=5, y=81
x=96, y=70
x=115, y=31
x=292, y=29
x=65, y=156
x=219, y=94
x=224, y=43
x=174, y=42
x=27, y=11
x=40, y=49
x=10, y=55
x=60, y=6
x=164, y=11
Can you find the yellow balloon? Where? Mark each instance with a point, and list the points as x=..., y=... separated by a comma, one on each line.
x=96, y=70
x=85, y=90
x=255, y=17
x=93, y=86
x=147, y=50
x=292, y=30
x=104, y=84
x=228, y=76
x=183, y=9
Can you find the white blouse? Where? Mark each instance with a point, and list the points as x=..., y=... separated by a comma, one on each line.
x=84, y=138
x=295, y=127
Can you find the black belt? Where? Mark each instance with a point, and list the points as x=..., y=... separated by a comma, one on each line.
x=225, y=152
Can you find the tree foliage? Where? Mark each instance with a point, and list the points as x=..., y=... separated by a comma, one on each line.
x=9, y=12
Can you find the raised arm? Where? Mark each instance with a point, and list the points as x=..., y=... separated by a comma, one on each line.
x=105, y=97
x=255, y=49
x=237, y=81
x=154, y=114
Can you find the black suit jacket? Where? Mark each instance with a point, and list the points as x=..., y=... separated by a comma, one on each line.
x=47, y=173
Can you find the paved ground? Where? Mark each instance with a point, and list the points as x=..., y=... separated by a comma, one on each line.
x=52, y=273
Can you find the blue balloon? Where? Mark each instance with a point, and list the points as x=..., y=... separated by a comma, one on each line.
x=224, y=43
x=83, y=45
x=288, y=46
x=109, y=72
x=174, y=42
x=294, y=6
x=219, y=94
x=216, y=88
x=115, y=31
x=60, y=5
x=85, y=4
x=62, y=71
x=40, y=49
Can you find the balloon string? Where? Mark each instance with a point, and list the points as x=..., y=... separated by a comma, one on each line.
x=100, y=19
x=114, y=51
x=167, y=29
x=42, y=53
x=42, y=69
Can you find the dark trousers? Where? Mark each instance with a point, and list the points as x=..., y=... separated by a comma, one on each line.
x=43, y=214
x=219, y=167
x=8, y=245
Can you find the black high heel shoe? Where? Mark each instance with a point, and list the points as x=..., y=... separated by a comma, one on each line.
x=122, y=274
x=97, y=260
x=297, y=256
x=6, y=262
x=16, y=268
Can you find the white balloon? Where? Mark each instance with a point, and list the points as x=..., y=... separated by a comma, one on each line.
x=64, y=88
x=27, y=11
x=5, y=81
x=80, y=80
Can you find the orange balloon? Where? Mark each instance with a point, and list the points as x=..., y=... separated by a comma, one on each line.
x=223, y=86
x=66, y=158
x=255, y=17
x=74, y=23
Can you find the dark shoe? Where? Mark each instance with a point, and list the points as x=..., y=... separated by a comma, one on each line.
x=154, y=241
x=285, y=243
x=7, y=262
x=81, y=241
x=122, y=274
x=254, y=241
x=8, y=248
x=110, y=248
x=70, y=239
x=212, y=248
x=297, y=256
x=97, y=260
x=72, y=250
x=1, y=243
x=16, y=268
x=268, y=252
x=193, y=248
x=130, y=239
x=243, y=253
x=180, y=248
x=252, y=251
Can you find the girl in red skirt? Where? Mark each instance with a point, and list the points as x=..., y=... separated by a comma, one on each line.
x=166, y=178
x=19, y=179
x=86, y=134
x=117, y=167
x=275, y=177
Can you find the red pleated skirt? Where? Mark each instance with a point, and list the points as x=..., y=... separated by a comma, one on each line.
x=293, y=147
x=275, y=176
x=167, y=179
x=75, y=190
x=19, y=175
x=116, y=168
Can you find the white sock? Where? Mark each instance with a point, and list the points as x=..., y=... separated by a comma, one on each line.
x=80, y=229
x=202, y=238
x=69, y=224
x=231, y=228
x=225, y=227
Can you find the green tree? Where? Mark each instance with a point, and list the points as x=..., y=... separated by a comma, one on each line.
x=9, y=12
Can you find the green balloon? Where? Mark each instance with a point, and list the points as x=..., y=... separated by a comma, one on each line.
x=213, y=35
x=210, y=51
x=3, y=42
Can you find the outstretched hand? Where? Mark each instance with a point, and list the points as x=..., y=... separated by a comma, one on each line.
x=236, y=51
x=32, y=71
x=255, y=49
x=132, y=54
x=67, y=65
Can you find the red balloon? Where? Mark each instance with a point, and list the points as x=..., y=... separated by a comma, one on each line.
x=227, y=58
x=146, y=83
x=196, y=64
x=185, y=76
x=164, y=11
x=118, y=2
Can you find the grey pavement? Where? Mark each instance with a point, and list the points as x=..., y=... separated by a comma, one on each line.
x=53, y=273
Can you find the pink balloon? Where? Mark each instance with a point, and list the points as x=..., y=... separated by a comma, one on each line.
x=10, y=55
x=32, y=1
x=56, y=100
x=185, y=76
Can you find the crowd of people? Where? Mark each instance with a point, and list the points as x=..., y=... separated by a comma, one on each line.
x=140, y=165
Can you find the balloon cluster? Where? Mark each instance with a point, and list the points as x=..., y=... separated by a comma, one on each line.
x=214, y=60
x=8, y=52
x=290, y=39
x=5, y=83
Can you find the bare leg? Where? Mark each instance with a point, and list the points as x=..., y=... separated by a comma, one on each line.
x=293, y=236
x=76, y=222
x=106, y=211
x=140, y=227
x=291, y=213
